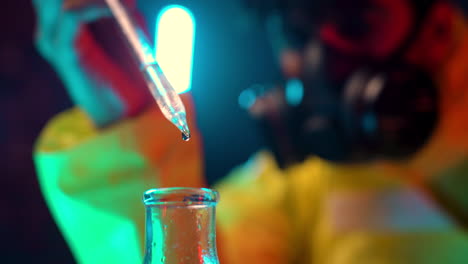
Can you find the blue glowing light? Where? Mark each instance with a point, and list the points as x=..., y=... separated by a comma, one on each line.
x=294, y=92
x=174, y=40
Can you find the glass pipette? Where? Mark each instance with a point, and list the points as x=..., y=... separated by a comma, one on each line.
x=166, y=97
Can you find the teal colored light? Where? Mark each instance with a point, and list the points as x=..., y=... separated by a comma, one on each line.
x=294, y=92
x=247, y=99
x=175, y=39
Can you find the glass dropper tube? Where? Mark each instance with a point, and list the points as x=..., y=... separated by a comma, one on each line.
x=163, y=92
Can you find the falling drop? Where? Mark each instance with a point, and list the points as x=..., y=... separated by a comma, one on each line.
x=186, y=136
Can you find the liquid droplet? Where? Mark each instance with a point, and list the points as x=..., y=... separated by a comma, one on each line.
x=186, y=136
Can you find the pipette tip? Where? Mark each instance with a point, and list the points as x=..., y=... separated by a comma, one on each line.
x=185, y=135
x=181, y=123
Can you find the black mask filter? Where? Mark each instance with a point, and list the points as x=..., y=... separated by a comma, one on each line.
x=378, y=112
x=385, y=110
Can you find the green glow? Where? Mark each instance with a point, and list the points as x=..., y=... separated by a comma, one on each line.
x=174, y=45
x=94, y=234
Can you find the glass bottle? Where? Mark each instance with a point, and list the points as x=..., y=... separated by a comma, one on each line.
x=180, y=226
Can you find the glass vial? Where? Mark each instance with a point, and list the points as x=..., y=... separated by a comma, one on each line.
x=180, y=226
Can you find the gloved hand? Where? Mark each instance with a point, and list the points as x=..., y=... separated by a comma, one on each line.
x=95, y=65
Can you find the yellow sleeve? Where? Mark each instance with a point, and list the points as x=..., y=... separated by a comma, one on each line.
x=427, y=247
x=317, y=213
x=93, y=180
x=368, y=216
x=250, y=215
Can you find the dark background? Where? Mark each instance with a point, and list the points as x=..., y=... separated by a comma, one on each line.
x=229, y=57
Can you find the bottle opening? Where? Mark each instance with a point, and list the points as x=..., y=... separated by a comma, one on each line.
x=180, y=196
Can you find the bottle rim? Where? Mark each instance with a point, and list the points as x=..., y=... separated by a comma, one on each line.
x=180, y=196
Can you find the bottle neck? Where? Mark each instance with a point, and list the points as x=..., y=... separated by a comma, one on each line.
x=181, y=234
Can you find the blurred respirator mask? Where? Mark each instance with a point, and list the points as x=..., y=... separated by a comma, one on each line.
x=379, y=110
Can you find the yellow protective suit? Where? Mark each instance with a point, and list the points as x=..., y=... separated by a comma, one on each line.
x=314, y=212
x=93, y=181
